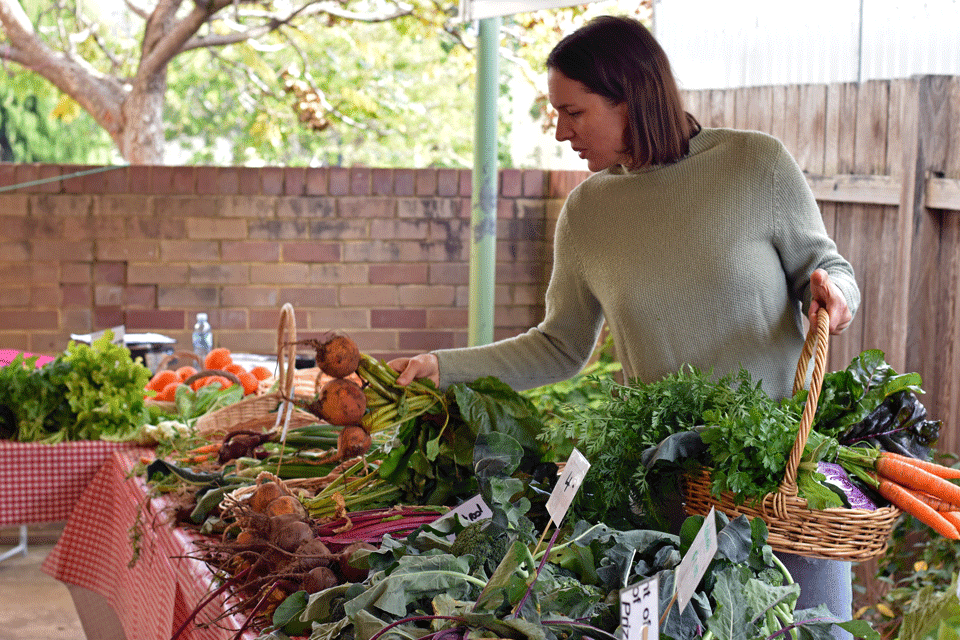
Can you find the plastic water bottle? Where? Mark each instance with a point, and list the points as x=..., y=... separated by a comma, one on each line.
x=202, y=337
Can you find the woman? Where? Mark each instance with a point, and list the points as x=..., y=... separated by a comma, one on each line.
x=696, y=246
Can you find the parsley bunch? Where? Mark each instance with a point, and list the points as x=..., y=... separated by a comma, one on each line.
x=613, y=435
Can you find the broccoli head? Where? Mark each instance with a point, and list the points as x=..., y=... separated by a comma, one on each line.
x=485, y=541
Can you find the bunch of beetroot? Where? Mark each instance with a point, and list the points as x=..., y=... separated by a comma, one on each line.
x=363, y=396
x=341, y=400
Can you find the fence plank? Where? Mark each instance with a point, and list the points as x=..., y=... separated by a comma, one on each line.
x=850, y=343
x=948, y=406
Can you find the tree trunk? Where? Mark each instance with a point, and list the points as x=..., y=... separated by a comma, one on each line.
x=141, y=139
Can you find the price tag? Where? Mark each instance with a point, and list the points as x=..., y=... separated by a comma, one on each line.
x=640, y=610
x=567, y=486
x=691, y=569
x=469, y=512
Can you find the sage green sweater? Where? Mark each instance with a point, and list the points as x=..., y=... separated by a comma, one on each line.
x=704, y=262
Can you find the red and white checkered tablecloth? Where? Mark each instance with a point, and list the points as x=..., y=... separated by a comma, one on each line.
x=154, y=592
x=41, y=482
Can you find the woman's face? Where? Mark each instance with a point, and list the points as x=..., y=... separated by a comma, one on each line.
x=592, y=125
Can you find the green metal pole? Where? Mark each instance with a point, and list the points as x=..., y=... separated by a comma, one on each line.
x=483, y=223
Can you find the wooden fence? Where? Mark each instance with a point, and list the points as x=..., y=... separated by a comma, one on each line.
x=883, y=159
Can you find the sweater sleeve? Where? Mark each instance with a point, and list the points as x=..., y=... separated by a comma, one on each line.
x=554, y=350
x=802, y=239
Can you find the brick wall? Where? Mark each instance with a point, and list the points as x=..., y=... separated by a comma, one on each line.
x=382, y=254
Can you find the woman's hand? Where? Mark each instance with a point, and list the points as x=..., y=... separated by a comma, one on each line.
x=823, y=293
x=424, y=365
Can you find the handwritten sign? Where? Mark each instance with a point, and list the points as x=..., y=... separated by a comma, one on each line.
x=567, y=486
x=469, y=512
x=640, y=610
x=694, y=564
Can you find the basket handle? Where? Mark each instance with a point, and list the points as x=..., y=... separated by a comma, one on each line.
x=179, y=355
x=818, y=336
x=286, y=350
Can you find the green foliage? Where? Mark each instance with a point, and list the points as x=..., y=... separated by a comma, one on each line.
x=431, y=458
x=558, y=402
x=40, y=124
x=396, y=93
x=486, y=542
x=919, y=571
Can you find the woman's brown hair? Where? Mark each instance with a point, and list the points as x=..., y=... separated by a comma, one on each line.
x=618, y=58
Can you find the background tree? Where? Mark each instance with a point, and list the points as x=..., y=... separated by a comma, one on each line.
x=376, y=82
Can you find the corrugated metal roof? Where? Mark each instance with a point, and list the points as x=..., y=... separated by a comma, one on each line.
x=758, y=42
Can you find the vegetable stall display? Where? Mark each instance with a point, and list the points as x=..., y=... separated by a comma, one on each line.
x=416, y=452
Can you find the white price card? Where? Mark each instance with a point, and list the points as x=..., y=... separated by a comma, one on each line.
x=469, y=512
x=640, y=610
x=694, y=564
x=567, y=486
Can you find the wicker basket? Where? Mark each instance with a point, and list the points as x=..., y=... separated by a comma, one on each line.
x=177, y=359
x=251, y=410
x=836, y=533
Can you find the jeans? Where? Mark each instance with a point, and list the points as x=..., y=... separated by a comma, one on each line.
x=828, y=582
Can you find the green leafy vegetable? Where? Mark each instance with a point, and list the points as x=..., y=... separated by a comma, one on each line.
x=89, y=392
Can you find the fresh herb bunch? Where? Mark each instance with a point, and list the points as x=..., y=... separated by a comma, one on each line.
x=748, y=441
x=614, y=434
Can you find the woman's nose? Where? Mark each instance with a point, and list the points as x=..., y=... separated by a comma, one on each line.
x=563, y=131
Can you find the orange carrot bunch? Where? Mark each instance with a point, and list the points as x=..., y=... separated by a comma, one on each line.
x=919, y=488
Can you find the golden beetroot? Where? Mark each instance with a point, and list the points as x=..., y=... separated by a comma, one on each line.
x=353, y=441
x=264, y=495
x=286, y=505
x=337, y=354
x=341, y=402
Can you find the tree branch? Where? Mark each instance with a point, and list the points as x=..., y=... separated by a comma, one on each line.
x=97, y=93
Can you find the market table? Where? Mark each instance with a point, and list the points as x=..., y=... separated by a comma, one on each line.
x=40, y=483
x=119, y=545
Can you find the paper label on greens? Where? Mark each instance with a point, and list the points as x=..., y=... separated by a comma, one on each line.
x=471, y=511
x=698, y=557
x=567, y=486
x=640, y=610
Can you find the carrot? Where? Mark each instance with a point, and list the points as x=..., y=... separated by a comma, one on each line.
x=913, y=506
x=915, y=478
x=940, y=505
x=195, y=459
x=953, y=517
x=213, y=447
x=940, y=470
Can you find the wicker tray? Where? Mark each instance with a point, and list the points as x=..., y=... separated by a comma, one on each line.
x=837, y=533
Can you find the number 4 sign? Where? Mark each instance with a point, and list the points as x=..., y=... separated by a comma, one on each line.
x=567, y=486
